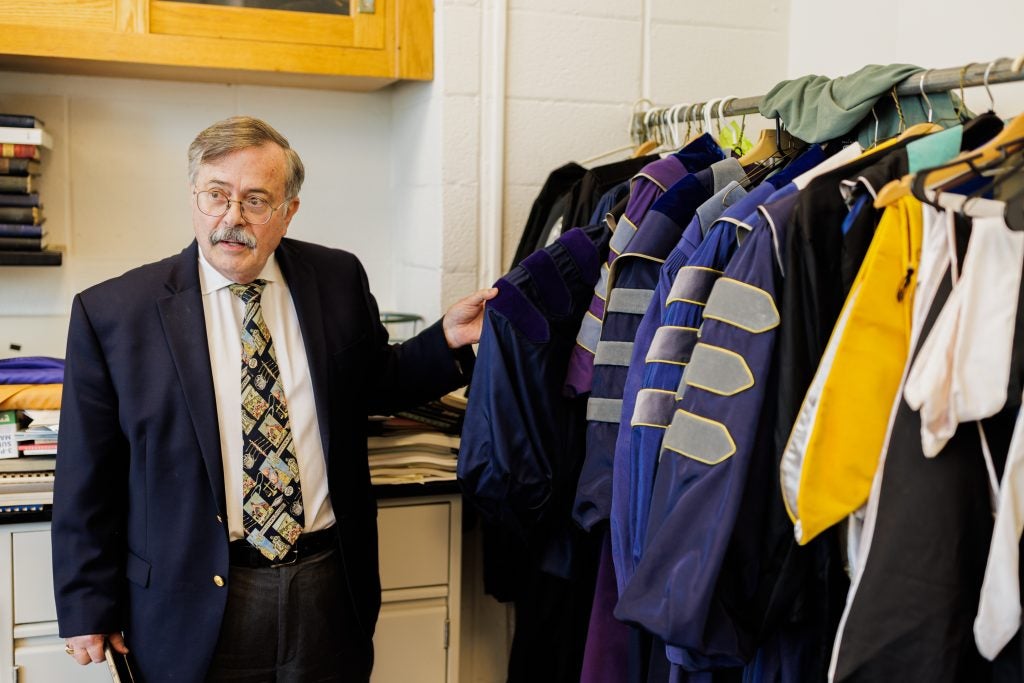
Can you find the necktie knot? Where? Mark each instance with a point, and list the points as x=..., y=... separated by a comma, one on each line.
x=249, y=291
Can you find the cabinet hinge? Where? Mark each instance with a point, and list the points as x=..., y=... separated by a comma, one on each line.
x=447, y=625
x=14, y=674
x=367, y=6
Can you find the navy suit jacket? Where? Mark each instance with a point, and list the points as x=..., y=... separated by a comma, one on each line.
x=138, y=531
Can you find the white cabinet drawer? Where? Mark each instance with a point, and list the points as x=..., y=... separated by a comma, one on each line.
x=43, y=660
x=410, y=642
x=414, y=545
x=33, y=577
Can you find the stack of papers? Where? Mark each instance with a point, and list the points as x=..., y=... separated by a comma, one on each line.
x=40, y=436
x=26, y=471
x=413, y=457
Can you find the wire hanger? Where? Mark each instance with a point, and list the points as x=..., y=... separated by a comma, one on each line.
x=988, y=90
x=924, y=95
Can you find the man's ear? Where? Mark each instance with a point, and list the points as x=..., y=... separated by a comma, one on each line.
x=292, y=207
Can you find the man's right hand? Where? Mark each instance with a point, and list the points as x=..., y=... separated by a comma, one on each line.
x=89, y=649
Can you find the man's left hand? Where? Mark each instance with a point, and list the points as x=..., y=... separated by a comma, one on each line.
x=464, y=320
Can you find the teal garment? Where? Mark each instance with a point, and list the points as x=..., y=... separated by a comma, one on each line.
x=935, y=149
x=818, y=109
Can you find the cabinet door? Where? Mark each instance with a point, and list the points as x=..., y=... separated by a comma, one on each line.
x=44, y=661
x=414, y=545
x=300, y=22
x=409, y=644
x=33, y=578
x=92, y=15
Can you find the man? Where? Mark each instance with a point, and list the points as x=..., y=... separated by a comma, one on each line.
x=228, y=528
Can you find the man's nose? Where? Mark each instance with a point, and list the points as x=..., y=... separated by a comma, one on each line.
x=234, y=216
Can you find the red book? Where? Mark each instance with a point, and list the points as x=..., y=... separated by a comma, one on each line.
x=14, y=151
x=38, y=448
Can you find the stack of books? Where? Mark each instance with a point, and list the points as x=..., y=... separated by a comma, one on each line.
x=22, y=240
x=418, y=446
x=28, y=450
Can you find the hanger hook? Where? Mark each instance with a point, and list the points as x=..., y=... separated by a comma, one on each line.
x=721, y=111
x=649, y=132
x=667, y=122
x=709, y=108
x=876, y=125
x=962, y=106
x=988, y=90
x=636, y=121
x=676, y=133
x=723, y=104
x=924, y=95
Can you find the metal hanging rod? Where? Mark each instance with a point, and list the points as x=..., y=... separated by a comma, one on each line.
x=1002, y=70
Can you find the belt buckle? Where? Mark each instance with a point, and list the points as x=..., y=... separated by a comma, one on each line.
x=292, y=553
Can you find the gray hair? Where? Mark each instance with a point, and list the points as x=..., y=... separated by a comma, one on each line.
x=242, y=132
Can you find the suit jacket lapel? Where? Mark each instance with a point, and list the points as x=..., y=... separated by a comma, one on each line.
x=181, y=312
x=306, y=298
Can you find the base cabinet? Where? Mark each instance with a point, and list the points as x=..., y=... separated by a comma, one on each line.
x=417, y=634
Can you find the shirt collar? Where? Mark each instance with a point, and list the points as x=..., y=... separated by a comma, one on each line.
x=210, y=280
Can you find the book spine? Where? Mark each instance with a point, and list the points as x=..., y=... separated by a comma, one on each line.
x=20, y=230
x=19, y=121
x=16, y=167
x=31, y=258
x=16, y=151
x=25, y=136
x=21, y=184
x=22, y=508
x=38, y=448
x=8, y=199
x=8, y=426
x=20, y=214
x=21, y=243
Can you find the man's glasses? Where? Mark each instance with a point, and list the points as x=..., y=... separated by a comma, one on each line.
x=255, y=210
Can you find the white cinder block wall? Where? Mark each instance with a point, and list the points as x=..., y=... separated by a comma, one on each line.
x=918, y=32
x=575, y=67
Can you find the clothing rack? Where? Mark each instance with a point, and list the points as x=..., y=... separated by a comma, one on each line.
x=1003, y=70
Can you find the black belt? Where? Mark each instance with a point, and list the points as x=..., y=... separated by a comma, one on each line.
x=242, y=554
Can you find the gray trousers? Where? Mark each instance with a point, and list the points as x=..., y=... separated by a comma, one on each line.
x=282, y=625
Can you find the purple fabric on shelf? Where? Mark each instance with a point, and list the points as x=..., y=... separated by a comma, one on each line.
x=31, y=370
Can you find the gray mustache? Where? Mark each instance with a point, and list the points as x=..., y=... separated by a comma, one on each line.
x=233, y=233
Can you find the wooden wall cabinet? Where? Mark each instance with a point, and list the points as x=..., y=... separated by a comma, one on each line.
x=381, y=41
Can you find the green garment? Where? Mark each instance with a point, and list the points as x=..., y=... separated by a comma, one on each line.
x=935, y=149
x=817, y=108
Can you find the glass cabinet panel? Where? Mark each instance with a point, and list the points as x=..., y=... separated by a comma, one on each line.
x=342, y=7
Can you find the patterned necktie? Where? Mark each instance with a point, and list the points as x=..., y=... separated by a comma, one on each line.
x=271, y=499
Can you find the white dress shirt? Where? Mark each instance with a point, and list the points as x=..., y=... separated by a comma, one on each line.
x=224, y=312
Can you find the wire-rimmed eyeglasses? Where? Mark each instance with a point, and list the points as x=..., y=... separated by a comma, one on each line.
x=255, y=210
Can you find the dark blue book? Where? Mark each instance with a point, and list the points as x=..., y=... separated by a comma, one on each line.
x=20, y=230
x=8, y=199
x=20, y=121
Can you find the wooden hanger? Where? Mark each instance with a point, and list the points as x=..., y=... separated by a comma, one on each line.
x=644, y=148
x=919, y=129
x=766, y=146
x=993, y=150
